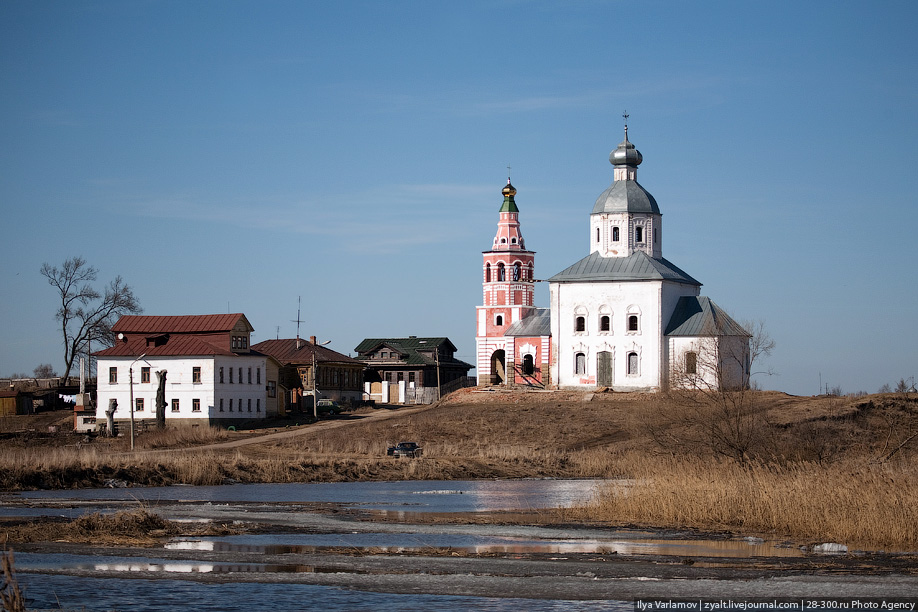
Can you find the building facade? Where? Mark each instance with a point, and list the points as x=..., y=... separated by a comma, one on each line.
x=310, y=371
x=212, y=374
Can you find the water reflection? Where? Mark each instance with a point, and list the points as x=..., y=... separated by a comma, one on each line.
x=483, y=544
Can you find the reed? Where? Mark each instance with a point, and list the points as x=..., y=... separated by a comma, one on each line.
x=855, y=502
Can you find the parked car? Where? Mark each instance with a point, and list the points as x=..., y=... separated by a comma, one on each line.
x=405, y=449
x=327, y=406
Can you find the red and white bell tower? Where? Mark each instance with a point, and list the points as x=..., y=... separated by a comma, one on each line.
x=508, y=273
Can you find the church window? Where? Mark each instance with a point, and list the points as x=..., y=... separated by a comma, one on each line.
x=531, y=272
x=528, y=365
x=654, y=235
x=488, y=273
x=632, y=323
x=597, y=234
x=580, y=323
x=513, y=241
x=632, y=363
x=639, y=233
x=615, y=234
x=691, y=362
x=499, y=320
x=604, y=323
x=516, y=271
x=501, y=273
x=579, y=363
x=503, y=241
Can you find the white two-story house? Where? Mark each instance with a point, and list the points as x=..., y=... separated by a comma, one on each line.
x=212, y=374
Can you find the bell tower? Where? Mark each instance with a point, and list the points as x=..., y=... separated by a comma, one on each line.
x=508, y=283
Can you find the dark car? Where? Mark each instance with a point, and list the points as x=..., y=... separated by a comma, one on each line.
x=405, y=449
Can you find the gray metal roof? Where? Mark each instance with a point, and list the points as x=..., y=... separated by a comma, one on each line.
x=699, y=316
x=536, y=324
x=626, y=196
x=636, y=267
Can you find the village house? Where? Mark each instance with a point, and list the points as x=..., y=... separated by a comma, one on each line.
x=311, y=371
x=212, y=374
x=410, y=370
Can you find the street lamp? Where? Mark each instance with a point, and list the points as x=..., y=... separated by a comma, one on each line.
x=315, y=397
x=131, y=407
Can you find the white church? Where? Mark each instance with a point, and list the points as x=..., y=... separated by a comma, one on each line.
x=623, y=317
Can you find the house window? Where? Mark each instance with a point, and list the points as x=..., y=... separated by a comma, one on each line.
x=528, y=365
x=401, y=376
x=221, y=374
x=639, y=233
x=258, y=405
x=615, y=234
x=604, y=323
x=231, y=405
x=632, y=323
x=499, y=320
x=250, y=405
x=632, y=363
x=240, y=376
x=580, y=363
x=221, y=404
x=272, y=388
x=175, y=405
x=411, y=377
x=138, y=404
x=196, y=374
x=691, y=362
x=231, y=375
x=196, y=405
x=145, y=374
x=113, y=376
x=250, y=376
x=580, y=323
x=257, y=376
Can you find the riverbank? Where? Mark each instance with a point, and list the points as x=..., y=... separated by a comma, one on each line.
x=779, y=462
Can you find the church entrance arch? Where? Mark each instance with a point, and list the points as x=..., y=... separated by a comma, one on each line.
x=604, y=369
x=498, y=367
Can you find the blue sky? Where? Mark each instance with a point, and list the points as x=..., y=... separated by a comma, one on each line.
x=234, y=156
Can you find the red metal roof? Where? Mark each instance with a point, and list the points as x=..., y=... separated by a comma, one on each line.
x=180, y=324
x=174, y=346
x=286, y=351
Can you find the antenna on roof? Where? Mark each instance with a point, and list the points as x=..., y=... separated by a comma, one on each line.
x=298, y=320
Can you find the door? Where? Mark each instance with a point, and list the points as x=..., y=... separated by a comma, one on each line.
x=498, y=374
x=604, y=369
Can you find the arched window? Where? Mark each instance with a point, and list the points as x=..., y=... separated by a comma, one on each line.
x=516, y=272
x=488, y=273
x=531, y=274
x=499, y=320
x=615, y=234
x=639, y=233
x=632, y=363
x=501, y=273
x=632, y=323
x=691, y=362
x=513, y=241
x=528, y=365
x=580, y=323
x=597, y=234
x=604, y=323
x=579, y=363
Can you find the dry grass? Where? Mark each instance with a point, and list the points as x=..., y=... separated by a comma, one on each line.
x=10, y=594
x=854, y=502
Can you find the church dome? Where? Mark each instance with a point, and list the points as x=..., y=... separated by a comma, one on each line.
x=626, y=196
x=625, y=154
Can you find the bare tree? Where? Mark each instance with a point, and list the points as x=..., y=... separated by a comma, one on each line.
x=712, y=403
x=44, y=370
x=85, y=314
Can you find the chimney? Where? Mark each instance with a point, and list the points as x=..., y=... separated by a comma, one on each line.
x=313, y=340
x=297, y=343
